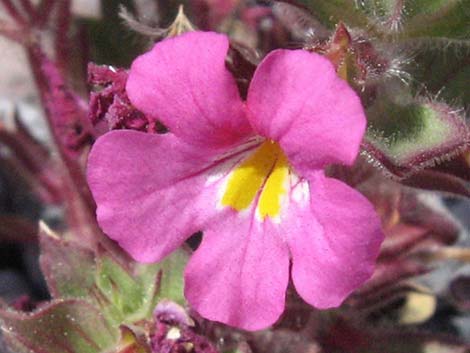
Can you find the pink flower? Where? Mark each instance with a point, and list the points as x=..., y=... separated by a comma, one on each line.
x=249, y=174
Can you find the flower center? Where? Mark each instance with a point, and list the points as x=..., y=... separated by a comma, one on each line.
x=265, y=171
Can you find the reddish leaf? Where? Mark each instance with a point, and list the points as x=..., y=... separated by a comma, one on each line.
x=69, y=270
x=61, y=326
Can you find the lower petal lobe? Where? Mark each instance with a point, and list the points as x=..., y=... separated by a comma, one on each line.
x=150, y=191
x=334, y=239
x=239, y=274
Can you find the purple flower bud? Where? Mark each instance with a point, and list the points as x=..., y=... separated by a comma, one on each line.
x=110, y=102
x=174, y=331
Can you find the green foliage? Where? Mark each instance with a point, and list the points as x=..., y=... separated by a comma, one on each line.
x=132, y=290
x=437, y=18
x=125, y=290
x=405, y=137
x=443, y=68
x=334, y=11
x=411, y=129
x=399, y=122
x=128, y=294
x=172, y=269
x=424, y=43
x=411, y=19
x=95, y=294
x=59, y=263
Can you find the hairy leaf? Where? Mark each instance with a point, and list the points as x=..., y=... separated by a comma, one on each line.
x=437, y=18
x=69, y=270
x=405, y=138
x=443, y=68
x=389, y=14
x=333, y=11
x=126, y=291
x=132, y=290
x=71, y=326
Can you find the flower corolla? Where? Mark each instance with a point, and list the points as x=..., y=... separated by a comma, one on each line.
x=248, y=174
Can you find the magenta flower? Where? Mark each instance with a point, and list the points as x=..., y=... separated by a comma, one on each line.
x=248, y=174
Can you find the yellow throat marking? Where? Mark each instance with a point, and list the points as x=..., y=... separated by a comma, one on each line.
x=266, y=170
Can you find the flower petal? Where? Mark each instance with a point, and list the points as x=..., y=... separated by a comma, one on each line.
x=151, y=190
x=239, y=274
x=183, y=82
x=296, y=99
x=334, y=240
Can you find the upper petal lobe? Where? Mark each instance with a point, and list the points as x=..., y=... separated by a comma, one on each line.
x=183, y=82
x=297, y=100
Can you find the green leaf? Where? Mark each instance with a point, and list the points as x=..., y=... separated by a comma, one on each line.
x=419, y=18
x=68, y=269
x=72, y=326
x=437, y=18
x=390, y=14
x=132, y=290
x=171, y=280
x=125, y=290
x=103, y=292
x=334, y=11
x=444, y=71
x=405, y=138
